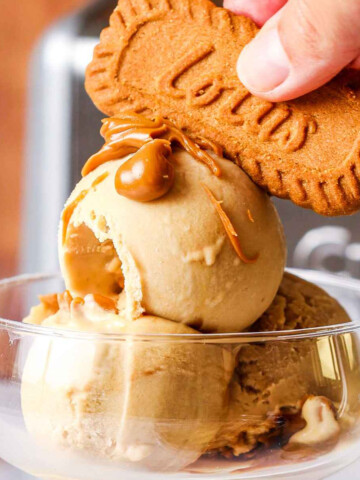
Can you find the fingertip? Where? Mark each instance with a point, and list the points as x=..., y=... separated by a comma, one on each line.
x=258, y=10
x=355, y=65
x=263, y=64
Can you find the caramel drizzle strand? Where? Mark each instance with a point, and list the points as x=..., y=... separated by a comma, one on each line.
x=229, y=228
x=250, y=217
x=69, y=210
x=129, y=133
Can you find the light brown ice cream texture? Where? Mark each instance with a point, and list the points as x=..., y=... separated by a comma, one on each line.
x=176, y=259
x=150, y=403
x=272, y=380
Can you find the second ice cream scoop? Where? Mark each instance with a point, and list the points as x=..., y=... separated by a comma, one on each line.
x=127, y=400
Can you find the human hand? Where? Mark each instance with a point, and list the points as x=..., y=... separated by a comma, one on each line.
x=301, y=46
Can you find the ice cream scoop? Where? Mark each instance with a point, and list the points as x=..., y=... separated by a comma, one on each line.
x=127, y=400
x=209, y=252
x=272, y=380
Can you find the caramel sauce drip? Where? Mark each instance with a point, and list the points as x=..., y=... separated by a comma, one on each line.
x=50, y=301
x=229, y=228
x=65, y=300
x=147, y=175
x=69, y=210
x=105, y=303
x=250, y=217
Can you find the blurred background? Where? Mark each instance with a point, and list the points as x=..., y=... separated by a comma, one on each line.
x=21, y=25
x=49, y=127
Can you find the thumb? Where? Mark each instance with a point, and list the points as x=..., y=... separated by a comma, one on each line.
x=302, y=47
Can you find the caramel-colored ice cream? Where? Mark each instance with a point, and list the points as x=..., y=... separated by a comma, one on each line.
x=152, y=405
x=121, y=400
x=271, y=380
x=174, y=254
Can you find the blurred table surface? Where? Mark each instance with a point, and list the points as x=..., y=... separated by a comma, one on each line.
x=21, y=24
x=349, y=473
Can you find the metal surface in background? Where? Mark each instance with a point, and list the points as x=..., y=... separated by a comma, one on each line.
x=63, y=131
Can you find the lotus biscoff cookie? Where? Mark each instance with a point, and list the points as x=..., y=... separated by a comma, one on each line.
x=177, y=58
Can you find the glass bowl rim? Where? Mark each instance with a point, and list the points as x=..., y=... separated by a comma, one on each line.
x=16, y=327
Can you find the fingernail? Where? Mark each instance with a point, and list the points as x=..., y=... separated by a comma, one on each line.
x=263, y=64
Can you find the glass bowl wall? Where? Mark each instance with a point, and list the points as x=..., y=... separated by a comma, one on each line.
x=158, y=429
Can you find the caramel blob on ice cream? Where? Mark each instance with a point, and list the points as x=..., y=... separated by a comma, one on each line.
x=148, y=175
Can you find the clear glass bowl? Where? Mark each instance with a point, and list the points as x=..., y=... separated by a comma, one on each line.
x=64, y=415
